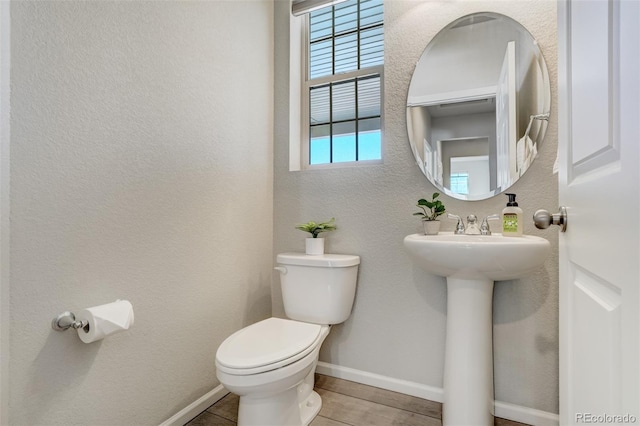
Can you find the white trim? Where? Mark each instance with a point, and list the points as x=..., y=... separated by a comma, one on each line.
x=189, y=412
x=403, y=386
x=342, y=164
x=296, y=69
x=343, y=76
x=453, y=97
x=300, y=7
x=503, y=410
x=530, y=416
x=5, y=143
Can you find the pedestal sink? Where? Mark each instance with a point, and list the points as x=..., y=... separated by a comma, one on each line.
x=471, y=263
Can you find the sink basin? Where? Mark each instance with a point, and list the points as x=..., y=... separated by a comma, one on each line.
x=471, y=263
x=493, y=257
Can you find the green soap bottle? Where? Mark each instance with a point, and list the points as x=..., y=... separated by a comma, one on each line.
x=512, y=218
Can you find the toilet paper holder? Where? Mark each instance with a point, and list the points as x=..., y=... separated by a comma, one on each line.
x=67, y=320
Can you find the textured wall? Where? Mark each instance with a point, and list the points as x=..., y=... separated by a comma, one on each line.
x=141, y=169
x=398, y=324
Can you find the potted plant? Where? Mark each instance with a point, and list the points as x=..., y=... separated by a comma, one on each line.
x=430, y=212
x=315, y=245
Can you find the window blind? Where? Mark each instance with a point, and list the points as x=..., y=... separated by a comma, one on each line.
x=300, y=7
x=345, y=55
x=346, y=38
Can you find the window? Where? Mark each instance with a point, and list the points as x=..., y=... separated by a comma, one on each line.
x=460, y=182
x=341, y=94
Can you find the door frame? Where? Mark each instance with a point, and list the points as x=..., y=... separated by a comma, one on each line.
x=5, y=48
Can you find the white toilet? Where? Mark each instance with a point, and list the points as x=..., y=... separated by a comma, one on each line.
x=271, y=364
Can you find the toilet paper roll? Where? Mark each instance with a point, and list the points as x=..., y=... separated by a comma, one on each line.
x=105, y=320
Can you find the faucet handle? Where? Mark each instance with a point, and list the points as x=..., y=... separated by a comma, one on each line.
x=484, y=228
x=460, y=225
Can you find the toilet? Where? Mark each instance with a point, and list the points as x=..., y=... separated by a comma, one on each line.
x=271, y=364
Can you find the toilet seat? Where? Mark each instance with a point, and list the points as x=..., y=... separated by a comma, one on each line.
x=267, y=345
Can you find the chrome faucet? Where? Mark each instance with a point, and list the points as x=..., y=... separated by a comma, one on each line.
x=484, y=228
x=472, y=224
x=460, y=229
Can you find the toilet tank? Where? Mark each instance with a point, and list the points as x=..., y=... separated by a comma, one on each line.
x=318, y=289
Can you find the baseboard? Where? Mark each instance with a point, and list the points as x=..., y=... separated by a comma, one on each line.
x=198, y=406
x=526, y=415
x=384, y=382
x=502, y=409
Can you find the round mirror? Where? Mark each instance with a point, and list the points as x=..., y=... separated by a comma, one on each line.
x=478, y=106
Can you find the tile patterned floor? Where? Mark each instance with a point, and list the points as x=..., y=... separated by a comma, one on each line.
x=348, y=403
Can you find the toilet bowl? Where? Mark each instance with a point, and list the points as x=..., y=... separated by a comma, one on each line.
x=271, y=364
x=267, y=364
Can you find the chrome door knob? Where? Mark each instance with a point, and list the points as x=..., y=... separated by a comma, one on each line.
x=542, y=219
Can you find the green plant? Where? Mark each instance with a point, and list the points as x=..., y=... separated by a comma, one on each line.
x=316, y=228
x=430, y=209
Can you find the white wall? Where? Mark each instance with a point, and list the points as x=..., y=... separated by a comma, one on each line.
x=5, y=23
x=483, y=45
x=398, y=324
x=141, y=168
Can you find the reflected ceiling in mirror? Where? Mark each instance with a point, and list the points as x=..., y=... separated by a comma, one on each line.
x=478, y=106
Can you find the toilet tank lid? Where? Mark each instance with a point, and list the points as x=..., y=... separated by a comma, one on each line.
x=323, y=260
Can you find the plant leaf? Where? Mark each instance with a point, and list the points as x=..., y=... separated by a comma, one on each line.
x=432, y=209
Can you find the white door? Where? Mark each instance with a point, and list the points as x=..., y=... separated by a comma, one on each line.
x=506, y=132
x=599, y=118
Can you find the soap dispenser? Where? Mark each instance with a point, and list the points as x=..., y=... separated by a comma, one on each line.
x=512, y=218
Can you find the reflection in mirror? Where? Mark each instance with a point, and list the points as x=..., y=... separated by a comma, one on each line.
x=478, y=106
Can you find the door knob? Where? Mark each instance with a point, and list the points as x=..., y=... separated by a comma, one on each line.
x=542, y=218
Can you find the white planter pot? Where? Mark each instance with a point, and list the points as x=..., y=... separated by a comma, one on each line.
x=431, y=227
x=314, y=246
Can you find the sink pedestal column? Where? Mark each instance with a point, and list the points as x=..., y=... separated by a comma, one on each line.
x=468, y=364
